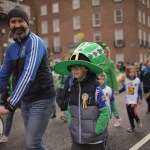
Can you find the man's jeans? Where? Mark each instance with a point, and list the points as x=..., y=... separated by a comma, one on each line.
x=36, y=116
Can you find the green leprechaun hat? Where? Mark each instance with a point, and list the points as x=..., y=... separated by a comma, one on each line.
x=88, y=54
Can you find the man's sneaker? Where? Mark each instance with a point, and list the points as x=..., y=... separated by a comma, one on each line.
x=63, y=118
x=4, y=139
x=139, y=124
x=130, y=129
x=118, y=122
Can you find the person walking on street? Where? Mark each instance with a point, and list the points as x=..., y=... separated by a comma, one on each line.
x=108, y=92
x=134, y=96
x=27, y=58
x=88, y=113
x=145, y=78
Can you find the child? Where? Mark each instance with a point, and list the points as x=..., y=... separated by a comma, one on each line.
x=88, y=113
x=145, y=78
x=102, y=78
x=132, y=86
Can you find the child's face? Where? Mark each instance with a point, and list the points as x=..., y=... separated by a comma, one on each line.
x=78, y=71
x=131, y=73
x=101, y=80
x=55, y=79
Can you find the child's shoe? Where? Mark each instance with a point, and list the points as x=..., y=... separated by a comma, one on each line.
x=139, y=124
x=130, y=129
x=4, y=139
x=118, y=122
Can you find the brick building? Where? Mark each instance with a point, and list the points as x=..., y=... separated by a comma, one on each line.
x=123, y=24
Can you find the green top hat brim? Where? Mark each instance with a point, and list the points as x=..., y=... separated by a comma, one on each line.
x=62, y=67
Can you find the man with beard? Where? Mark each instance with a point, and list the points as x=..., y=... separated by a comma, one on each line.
x=27, y=58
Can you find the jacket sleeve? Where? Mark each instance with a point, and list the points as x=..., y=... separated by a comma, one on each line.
x=5, y=70
x=122, y=89
x=113, y=76
x=102, y=120
x=35, y=52
x=140, y=92
x=104, y=110
x=69, y=115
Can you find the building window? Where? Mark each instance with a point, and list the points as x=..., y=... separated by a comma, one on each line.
x=118, y=16
x=44, y=26
x=119, y=57
x=140, y=37
x=148, y=3
x=148, y=40
x=139, y=16
x=97, y=38
x=119, y=42
x=148, y=21
x=46, y=42
x=76, y=39
x=117, y=0
x=75, y=4
x=96, y=19
x=95, y=2
x=143, y=16
x=144, y=39
x=143, y=1
x=56, y=27
x=57, y=45
x=43, y=10
x=76, y=22
x=55, y=8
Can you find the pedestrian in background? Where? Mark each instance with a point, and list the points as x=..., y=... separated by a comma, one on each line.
x=109, y=68
x=145, y=78
x=108, y=92
x=27, y=58
x=133, y=94
x=88, y=113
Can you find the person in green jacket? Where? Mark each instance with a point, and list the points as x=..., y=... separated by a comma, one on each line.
x=110, y=70
x=88, y=112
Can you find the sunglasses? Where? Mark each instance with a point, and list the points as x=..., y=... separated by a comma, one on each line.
x=75, y=67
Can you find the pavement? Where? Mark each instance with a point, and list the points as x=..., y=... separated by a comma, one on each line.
x=57, y=136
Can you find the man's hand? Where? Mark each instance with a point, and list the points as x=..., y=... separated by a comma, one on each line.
x=3, y=111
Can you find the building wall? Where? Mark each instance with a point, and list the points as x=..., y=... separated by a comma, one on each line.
x=130, y=25
x=131, y=50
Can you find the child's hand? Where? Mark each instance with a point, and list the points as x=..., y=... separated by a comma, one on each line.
x=140, y=102
x=116, y=92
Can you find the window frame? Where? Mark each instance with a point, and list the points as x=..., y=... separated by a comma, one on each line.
x=56, y=25
x=120, y=16
x=43, y=10
x=75, y=4
x=94, y=18
x=44, y=27
x=76, y=23
x=55, y=8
